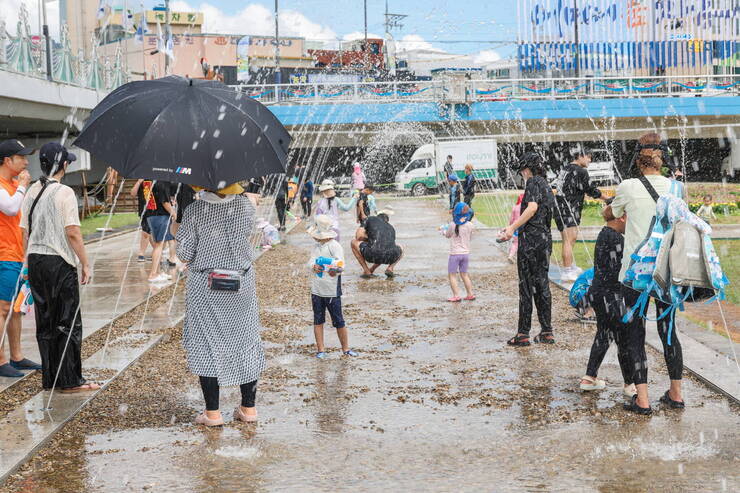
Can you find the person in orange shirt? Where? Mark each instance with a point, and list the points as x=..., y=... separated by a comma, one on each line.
x=14, y=181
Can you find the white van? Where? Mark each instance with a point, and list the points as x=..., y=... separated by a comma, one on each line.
x=425, y=170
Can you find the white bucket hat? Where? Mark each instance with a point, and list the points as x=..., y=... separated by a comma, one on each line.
x=326, y=185
x=322, y=230
x=388, y=211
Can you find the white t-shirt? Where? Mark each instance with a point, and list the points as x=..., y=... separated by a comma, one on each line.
x=325, y=286
x=56, y=209
x=633, y=198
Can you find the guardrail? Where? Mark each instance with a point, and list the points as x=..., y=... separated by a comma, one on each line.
x=496, y=89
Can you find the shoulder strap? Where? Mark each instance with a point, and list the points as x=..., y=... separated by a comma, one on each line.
x=33, y=206
x=649, y=187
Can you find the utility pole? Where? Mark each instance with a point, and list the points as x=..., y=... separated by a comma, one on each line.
x=166, y=37
x=47, y=40
x=577, y=57
x=277, y=46
x=392, y=20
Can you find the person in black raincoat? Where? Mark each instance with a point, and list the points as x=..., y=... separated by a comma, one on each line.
x=535, y=247
x=51, y=225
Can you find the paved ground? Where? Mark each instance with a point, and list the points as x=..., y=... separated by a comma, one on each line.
x=435, y=402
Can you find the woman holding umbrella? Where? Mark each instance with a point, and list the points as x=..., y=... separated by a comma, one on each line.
x=222, y=327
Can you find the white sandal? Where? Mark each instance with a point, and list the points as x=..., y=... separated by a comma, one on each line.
x=595, y=383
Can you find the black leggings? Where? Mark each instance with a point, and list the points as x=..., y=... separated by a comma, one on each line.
x=636, y=340
x=609, y=327
x=533, y=265
x=210, y=388
x=281, y=208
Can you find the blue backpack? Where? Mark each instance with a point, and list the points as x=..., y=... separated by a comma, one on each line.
x=580, y=287
x=676, y=262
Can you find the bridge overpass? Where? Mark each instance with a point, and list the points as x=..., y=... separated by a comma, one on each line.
x=324, y=115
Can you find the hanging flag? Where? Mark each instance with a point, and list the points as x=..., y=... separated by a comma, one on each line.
x=165, y=45
x=128, y=20
x=103, y=8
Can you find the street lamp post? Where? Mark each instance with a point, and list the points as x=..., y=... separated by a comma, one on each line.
x=47, y=40
x=277, y=46
x=166, y=37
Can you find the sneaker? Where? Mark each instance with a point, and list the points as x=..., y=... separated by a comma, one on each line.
x=7, y=370
x=568, y=274
x=160, y=278
x=25, y=364
x=350, y=353
x=321, y=355
x=141, y=258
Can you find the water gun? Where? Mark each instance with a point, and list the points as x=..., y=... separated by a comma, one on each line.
x=329, y=264
x=24, y=300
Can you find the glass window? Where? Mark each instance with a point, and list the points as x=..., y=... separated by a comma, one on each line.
x=417, y=164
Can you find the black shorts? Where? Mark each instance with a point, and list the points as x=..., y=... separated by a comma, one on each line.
x=380, y=257
x=321, y=305
x=145, y=225
x=566, y=215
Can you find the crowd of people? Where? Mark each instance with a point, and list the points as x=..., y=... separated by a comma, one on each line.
x=41, y=232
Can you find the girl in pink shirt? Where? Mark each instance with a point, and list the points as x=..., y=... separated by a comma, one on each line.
x=515, y=212
x=358, y=178
x=460, y=232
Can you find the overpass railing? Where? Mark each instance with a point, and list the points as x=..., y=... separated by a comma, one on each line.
x=496, y=89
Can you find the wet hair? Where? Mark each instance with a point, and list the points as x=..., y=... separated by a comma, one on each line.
x=469, y=167
x=449, y=156
x=534, y=162
x=384, y=217
x=707, y=196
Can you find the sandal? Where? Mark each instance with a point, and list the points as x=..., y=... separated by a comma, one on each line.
x=593, y=383
x=454, y=299
x=367, y=276
x=85, y=387
x=390, y=274
x=544, y=338
x=666, y=399
x=470, y=298
x=518, y=341
x=633, y=407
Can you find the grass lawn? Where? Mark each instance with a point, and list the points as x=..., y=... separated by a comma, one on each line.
x=91, y=223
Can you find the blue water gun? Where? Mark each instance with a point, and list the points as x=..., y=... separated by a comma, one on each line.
x=329, y=264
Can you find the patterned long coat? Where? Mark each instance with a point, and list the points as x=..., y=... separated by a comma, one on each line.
x=222, y=328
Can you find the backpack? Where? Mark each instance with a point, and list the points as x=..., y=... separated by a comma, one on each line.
x=676, y=262
x=580, y=288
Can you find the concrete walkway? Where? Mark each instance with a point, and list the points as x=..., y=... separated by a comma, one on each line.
x=719, y=232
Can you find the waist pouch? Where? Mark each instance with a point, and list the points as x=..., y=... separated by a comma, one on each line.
x=225, y=280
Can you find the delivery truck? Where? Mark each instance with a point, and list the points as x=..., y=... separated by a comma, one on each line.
x=425, y=171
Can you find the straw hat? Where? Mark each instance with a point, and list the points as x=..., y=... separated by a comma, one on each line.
x=322, y=230
x=388, y=211
x=233, y=189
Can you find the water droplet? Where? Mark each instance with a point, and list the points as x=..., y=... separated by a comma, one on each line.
x=244, y=131
x=222, y=108
x=219, y=153
x=195, y=144
x=202, y=134
x=222, y=183
x=216, y=133
x=221, y=116
x=259, y=138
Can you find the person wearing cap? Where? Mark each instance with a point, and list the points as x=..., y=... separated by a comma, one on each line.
x=573, y=184
x=221, y=334
x=455, y=190
x=366, y=206
x=270, y=234
x=535, y=247
x=326, y=284
x=51, y=226
x=14, y=181
x=375, y=243
x=330, y=204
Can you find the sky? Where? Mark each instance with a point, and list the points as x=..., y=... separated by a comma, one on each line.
x=475, y=27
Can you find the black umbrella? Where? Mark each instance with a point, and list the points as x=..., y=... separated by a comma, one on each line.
x=186, y=131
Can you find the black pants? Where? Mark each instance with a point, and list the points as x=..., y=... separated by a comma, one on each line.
x=636, y=340
x=281, y=208
x=306, y=205
x=469, y=198
x=210, y=388
x=533, y=265
x=609, y=309
x=56, y=298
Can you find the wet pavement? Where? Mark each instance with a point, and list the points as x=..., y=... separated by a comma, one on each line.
x=435, y=401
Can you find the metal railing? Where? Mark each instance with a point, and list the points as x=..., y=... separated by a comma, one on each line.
x=496, y=89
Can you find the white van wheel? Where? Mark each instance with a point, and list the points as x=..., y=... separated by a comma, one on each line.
x=418, y=190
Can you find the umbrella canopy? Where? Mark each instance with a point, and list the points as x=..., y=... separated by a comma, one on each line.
x=187, y=131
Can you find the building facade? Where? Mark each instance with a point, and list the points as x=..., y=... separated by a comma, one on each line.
x=628, y=37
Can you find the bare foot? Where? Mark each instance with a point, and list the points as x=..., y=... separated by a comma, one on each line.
x=82, y=388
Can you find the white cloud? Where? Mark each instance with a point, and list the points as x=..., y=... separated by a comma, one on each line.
x=486, y=56
x=257, y=19
x=10, y=10
x=360, y=35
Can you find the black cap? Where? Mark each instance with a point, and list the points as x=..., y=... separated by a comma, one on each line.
x=14, y=147
x=369, y=186
x=55, y=153
x=531, y=160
